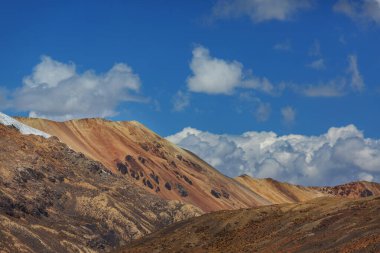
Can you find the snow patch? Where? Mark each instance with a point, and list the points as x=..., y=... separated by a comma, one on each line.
x=24, y=129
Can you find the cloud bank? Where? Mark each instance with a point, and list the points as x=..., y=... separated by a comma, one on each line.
x=55, y=90
x=340, y=155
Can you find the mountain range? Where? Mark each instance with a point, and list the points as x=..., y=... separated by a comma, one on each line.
x=95, y=185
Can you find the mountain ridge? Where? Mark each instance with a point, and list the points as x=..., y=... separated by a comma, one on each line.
x=129, y=148
x=171, y=172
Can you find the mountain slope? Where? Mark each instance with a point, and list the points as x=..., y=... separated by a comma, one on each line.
x=352, y=190
x=318, y=225
x=133, y=151
x=53, y=199
x=279, y=192
x=130, y=149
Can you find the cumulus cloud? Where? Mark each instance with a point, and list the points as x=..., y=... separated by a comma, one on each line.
x=212, y=75
x=357, y=82
x=56, y=90
x=360, y=10
x=259, y=10
x=288, y=115
x=338, y=156
x=180, y=101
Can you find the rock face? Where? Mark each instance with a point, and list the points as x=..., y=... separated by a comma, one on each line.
x=53, y=199
x=132, y=151
x=353, y=190
x=319, y=225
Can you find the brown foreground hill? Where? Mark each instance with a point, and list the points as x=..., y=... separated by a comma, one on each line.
x=53, y=199
x=318, y=225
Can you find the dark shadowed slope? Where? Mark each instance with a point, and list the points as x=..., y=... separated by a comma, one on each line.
x=53, y=199
x=318, y=225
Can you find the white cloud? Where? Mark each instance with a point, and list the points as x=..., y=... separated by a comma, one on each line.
x=317, y=64
x=217, y=76
x=338, y=86
x=180, y=101
x=212, y=75
x=49, y=73
x=357, y=82
x=283, y=46
x=263, y=112
x=360, y=10
x=261, y=84
x=260, y=10
x=338, y=156
x=288, y=115
x=333, y=88
x=315, y=51
x=55, y=90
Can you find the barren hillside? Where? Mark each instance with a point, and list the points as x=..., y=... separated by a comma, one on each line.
x=53, y=199
x=318, y=225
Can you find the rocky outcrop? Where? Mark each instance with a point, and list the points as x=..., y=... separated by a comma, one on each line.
x=352, y=189
x=53, y=199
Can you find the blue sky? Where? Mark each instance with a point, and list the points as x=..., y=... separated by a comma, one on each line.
x=299, y=49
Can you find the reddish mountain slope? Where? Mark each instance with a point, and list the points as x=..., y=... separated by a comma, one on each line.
x=153, y=162
x=279, y=192
x=53, y=199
